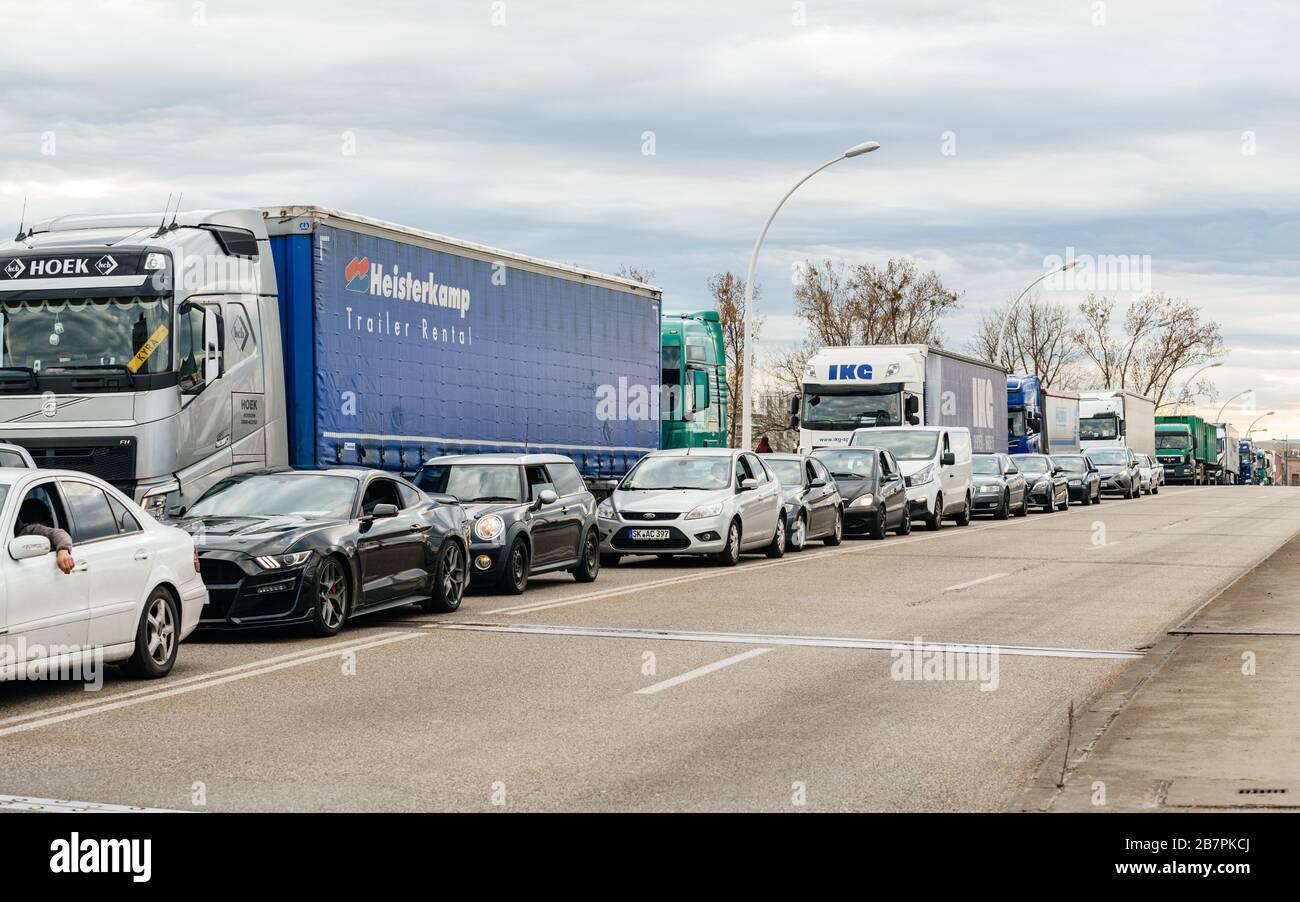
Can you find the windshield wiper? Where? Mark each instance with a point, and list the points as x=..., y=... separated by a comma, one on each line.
x=101, y=366
x=33, y=378
x=491, y=498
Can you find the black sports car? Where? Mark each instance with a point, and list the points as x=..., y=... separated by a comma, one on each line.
x=531, y=513
x=318, y=547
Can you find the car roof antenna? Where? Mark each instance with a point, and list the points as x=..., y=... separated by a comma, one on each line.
x=22, y=219
x=162, y=223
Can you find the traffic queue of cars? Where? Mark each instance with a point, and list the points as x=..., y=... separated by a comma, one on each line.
x=316, y=548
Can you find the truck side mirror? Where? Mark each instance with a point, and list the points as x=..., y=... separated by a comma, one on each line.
x=912, y=407
x=794, y=421
x=699, y=390
x=795, y=401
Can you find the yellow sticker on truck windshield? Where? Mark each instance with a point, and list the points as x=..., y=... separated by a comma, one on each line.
x=147, y=349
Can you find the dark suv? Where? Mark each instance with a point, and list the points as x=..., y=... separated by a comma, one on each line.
x=532, y=513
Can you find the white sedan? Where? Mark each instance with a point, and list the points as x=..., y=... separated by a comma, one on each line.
x=131, y=594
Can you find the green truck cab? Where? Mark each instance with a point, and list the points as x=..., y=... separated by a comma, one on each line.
x=1187, y=447
x=693, y=405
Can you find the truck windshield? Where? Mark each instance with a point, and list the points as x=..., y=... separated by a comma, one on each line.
x=702, y=473
x=279, y=495
x=1173, y=441
x=471, y=483
x=1016, y=423
x=52, y=337
x=1103, y=427
x=850, y=408
x=905, y=444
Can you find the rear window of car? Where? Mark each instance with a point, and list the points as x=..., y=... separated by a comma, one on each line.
x=567, y=479
x=92, y=518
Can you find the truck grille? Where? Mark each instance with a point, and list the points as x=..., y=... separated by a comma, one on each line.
x=111, y=459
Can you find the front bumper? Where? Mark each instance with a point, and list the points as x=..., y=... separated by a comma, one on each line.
x=705, y=535
x=1080, y=491
x=982, y=502
x=1111, y=485
x=241, y=595
x=860, y=520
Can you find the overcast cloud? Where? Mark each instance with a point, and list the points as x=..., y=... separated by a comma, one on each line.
x=1167, y=129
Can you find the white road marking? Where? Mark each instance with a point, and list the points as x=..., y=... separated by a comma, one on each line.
x=975, y=582
x=118, y=702
x=1028, y=651
x=31, y=803
x=337, y=647
x=702, y=671
x=799, y=558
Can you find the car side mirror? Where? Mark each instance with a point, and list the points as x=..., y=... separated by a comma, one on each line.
x=748, y=484
x=24, y=547
x=948, y=459
x=383, y=511
x=547, y=496
x=1012, y=471
x=817, y=483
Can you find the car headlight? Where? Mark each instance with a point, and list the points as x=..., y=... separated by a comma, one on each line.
x=606, y=508
x=157, y=501
x=922, y=476
x=489, y=527
x=866, y=499
x=705, y=510
x=277, y=561
x=1042, y=485
x=988, y=489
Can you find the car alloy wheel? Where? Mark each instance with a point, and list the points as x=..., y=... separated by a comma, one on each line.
x=160, y=632
x=332, y=595
x=453, y=573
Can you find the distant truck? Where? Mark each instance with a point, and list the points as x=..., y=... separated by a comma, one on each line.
x=1246, y=462
x=1187, y=447
x=1040, y=420
x=850, y=388
x=1229, y=457
x=693, y=374
x=1117, y=418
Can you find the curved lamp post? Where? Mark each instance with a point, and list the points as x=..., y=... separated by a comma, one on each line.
x=1008, y=319
x=1257, y=419
x=1219, y=417
x=747, y=402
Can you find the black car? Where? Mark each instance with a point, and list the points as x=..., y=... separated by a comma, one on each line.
x=1047, y=484
x=813, y=506
x=1083, y=476
x=1119, y=471
x=531, y=514
x=319, y=547
x=997, y=486
x=873, y=489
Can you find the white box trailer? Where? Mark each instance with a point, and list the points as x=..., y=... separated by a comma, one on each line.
x=1061, y=421
x=1115, y=418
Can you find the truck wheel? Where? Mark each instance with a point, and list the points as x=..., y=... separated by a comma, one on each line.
x=729, y=556
x=905, y=525
x=777, y=547
x=1004, y=509
x=935, y=520
x=589, y=566
x=514, y=579
x=877, y=530
x=157, y=637
x=837, y=535
x=963, y=518
x=448, y=580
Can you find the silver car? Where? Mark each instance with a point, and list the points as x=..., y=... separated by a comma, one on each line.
x=705, y=501
x=1151, y=474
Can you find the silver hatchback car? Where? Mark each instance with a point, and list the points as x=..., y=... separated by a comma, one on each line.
x=703, y=501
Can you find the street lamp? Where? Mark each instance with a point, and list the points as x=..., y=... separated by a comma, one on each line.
x=1219, y=417
x=1257, y=419
x=747, y=402
x=1188, y=383
x=1008, y=319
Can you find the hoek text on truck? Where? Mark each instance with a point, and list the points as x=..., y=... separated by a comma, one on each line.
x=164, y=352
x=850, y=388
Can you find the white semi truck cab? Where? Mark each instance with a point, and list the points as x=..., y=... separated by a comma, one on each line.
x=1116, y=418
x=850, y=388
x=144, y=349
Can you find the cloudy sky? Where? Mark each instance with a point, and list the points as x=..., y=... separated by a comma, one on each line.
x=660, y=134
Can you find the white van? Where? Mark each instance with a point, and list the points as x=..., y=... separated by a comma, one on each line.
x=937, y=463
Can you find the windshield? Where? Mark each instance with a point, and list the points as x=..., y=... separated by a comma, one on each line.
x=1104, y=427
x=985, y=465
x=472, y=482
x=850, y=408
x=904, y=444
x=1177, y=441
x=848, y=464
x=87, y=333
x=1034, y=465
x=1071, y=464
x=1109, y=458
x=278, y=495
x=788, y=472
x=702, y=473
x=1016, y=423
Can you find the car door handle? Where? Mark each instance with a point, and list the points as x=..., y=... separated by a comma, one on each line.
x=82, y=567
x=416, y=527
x=142, y=555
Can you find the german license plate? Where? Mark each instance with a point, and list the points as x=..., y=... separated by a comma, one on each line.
x=649, y=535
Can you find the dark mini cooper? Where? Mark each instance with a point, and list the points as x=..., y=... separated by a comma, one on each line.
x=873, y=488
x=319, y=547
x=531, y=513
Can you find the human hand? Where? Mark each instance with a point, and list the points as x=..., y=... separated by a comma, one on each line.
x=65, y=561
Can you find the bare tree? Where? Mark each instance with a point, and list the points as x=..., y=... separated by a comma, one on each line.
x=728, y=291
x=636, y=274
x=867, y=304
x=1038, y=339
x=1159, y=338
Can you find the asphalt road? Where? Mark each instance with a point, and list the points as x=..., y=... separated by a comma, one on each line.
x=670, y=686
